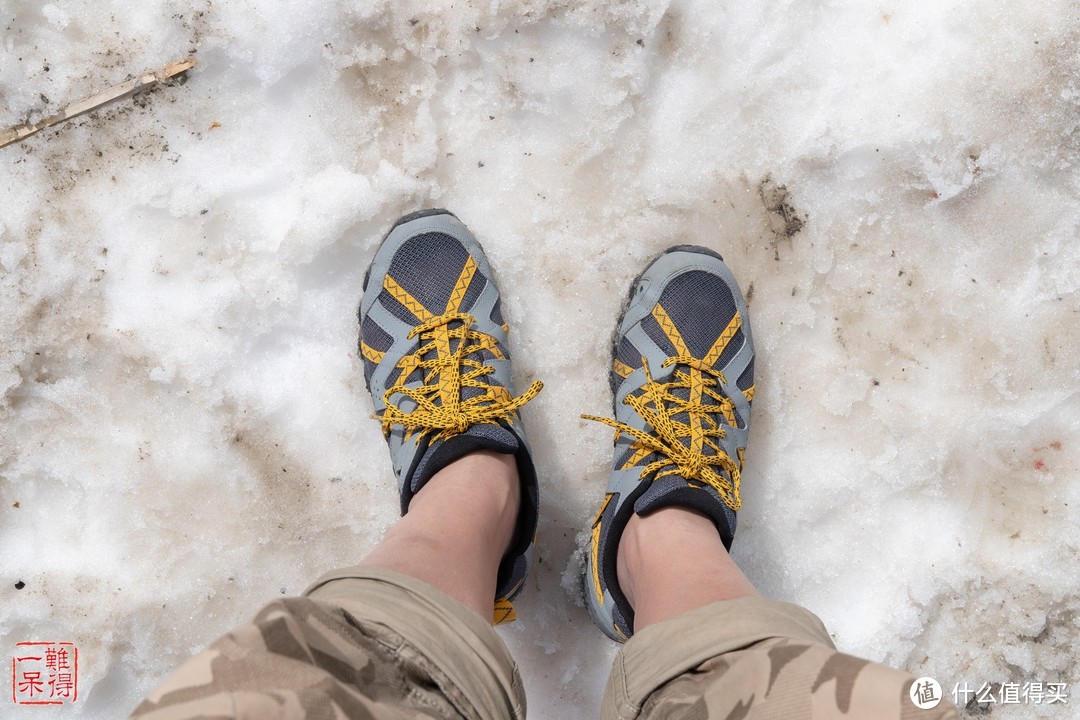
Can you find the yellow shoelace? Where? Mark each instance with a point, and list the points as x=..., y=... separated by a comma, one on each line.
x=440, y=408
x=658, y=405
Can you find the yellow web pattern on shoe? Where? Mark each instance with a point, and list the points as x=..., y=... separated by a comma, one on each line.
x=702, y=460
x=658, y=405
x=452, y=368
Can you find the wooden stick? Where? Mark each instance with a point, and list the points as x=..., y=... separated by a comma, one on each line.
x=117, y=92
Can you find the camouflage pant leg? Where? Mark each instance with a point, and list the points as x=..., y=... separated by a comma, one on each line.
x=752, y=658
x=364, y=643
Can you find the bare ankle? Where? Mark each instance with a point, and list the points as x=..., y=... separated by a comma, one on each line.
x=458, y=529
x=481, y=490
x=648, y=539
x=673, y=560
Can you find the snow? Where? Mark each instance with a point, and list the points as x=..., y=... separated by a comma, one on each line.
x=895, y=185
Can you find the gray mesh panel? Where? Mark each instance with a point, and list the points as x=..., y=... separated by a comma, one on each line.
x=624, y=457
x=628, y=354
x=395, y=308
x=747, y=378
x=476, y=286
x=731, y=350
x=656, y=334
x=428, y=267
x=375, y=337
x=701, y=305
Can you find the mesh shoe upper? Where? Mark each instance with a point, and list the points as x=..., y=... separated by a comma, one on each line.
x=437, y=363
x=682, y=379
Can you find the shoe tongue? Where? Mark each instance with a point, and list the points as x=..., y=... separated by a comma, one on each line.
x=482, y=356
x=683, y=394
x=478, y=437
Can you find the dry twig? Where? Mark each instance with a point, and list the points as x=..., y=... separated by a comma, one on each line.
x=117, y=92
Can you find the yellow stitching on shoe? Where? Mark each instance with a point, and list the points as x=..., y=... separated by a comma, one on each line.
x=504, y=612
x=696, y=384
x=749, y=393
x=458, y=293
x=697, y=388
x=597, y=587
x=408, y=301
x=621, y=369
x=722, y=342
x=371, y=353
x=658, y=406
x=443, y=374
x=640, y=454
x=440, y=409
x=668, y=326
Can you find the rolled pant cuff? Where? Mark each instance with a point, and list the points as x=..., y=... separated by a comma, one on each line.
x=663, y=651
x=479, y=670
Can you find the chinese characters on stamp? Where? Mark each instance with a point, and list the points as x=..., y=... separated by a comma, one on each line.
x=45, y=673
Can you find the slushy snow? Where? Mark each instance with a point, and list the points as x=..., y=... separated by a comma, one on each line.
x=895, y=185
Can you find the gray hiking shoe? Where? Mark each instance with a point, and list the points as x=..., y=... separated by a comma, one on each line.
x=683, y=378
x=437, y=364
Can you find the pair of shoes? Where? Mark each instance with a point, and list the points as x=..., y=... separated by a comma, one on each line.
x=436, y=361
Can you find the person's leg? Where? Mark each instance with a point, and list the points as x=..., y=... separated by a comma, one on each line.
x=408, y=632
x=432, y=579
x=700, y=641
x=316, y=654
x=706, y=644
x=365, y=642
x=458, y=529
x=437, y=363
x=753, y=657
x=673, y=560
